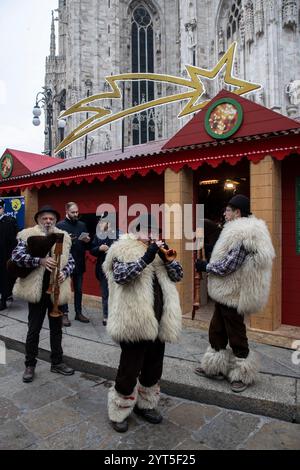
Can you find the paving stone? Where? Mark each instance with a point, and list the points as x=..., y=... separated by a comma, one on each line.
x=190, y=444
x=165, y=435
x=77, y=437
x=50, y=419
x=43, y=394
x=5, y=321
x=227, y=430
x=14, y=435
x=192, y=415
x=79, y=381
x=8, y=411
x=276, y=435
x=87, y=402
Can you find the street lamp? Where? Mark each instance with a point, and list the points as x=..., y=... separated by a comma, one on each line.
x=88, y=83
x=48, y=99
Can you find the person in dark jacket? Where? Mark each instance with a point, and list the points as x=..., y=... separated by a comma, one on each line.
x=80, y=243
x=104, y=238
x=8, y=241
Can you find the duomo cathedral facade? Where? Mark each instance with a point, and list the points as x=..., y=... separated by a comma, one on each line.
x=93, y=39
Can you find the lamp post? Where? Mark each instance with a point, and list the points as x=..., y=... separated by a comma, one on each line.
x=88, y=84
x=48, y=99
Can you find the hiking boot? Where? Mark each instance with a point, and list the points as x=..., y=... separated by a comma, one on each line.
x=28, y=375
x=82, y=318
x=202, y=373
x=120, y=427
x=104, y=322
x=62, y=368
x=238, y=386
x=66, y=321
x=152, y=415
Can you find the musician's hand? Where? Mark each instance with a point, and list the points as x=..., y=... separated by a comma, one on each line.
x=61, y=277
x=150, y=253
x=162, y=255
x=48, y=263
x=103, y=247
x=86, y=239
x=201, y=265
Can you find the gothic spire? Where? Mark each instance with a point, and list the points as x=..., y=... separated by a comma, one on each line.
x=52, y=38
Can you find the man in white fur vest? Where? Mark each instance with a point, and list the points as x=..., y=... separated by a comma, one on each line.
x=33, y=289
x=239, y=278
x=144, y=313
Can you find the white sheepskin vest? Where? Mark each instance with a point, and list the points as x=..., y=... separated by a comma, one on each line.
x=246, y=289
x=131, y=313
x=30, y=288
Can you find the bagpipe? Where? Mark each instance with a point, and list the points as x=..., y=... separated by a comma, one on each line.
x=38, y=246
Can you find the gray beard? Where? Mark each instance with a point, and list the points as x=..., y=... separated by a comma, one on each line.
x=47, y=230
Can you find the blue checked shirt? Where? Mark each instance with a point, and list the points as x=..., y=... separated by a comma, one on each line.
x=126, y=272
x=229, y=263
x=23, y=259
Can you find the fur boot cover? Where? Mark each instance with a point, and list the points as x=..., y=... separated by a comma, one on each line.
x=214, y=362
x=148, y=397
x=244, y=370
x=120, y=406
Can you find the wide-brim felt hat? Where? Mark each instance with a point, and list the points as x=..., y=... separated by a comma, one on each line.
x=47, y=209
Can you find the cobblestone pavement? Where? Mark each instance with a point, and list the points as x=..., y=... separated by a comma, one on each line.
x=57, y=412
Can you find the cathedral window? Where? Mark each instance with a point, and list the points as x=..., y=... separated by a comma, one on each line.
x=142, y=58
x=233, y=21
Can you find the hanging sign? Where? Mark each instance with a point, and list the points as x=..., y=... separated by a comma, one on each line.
x=223, y=118
x=15, y=207
x=6, y=165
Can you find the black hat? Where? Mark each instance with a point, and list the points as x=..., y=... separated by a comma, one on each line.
x=47, y=209
x=2, y=203
x=239, y=201
x=148, y=222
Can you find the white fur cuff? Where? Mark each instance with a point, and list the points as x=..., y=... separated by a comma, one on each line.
x=148, y=397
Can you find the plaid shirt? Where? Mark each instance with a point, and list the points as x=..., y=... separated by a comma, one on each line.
x=126, y=272
x=23, y=259
x=229, y=263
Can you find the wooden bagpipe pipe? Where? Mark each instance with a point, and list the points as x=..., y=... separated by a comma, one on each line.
x=38, y=246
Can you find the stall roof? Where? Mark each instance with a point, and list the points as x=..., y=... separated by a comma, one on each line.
x=278, y=141
x=28, y=162
x=257, y=120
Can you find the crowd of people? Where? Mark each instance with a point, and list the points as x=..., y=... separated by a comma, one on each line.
x=140, y=301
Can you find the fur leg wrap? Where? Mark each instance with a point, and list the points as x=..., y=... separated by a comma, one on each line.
x=214, y=362
x=120, y=406
x=148, y=397
x=244, y=370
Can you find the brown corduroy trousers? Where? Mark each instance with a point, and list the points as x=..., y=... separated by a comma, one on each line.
x=227, y=326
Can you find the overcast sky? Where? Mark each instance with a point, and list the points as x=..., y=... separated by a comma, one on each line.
x=24, y=45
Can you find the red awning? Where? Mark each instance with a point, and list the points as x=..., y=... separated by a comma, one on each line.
x=254, y=149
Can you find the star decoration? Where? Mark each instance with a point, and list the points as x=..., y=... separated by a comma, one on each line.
x=226, y=60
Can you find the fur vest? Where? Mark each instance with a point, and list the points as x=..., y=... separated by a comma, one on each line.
x=131, y=313
x=246, y=289
x=30, y=288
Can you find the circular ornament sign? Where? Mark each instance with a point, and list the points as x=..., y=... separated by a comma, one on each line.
x=6, y=165
x=223, y=118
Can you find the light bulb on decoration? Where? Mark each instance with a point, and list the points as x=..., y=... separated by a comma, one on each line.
x=230, y=185
x=207, y=182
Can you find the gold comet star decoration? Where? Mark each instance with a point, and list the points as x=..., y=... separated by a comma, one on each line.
x=105, y=116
